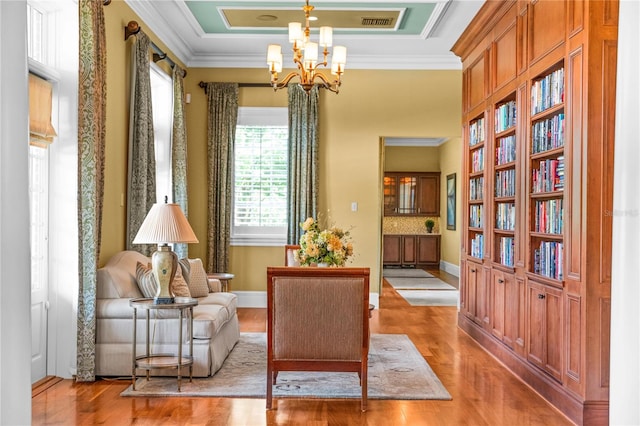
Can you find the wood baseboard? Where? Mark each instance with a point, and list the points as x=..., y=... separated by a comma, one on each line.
x=580, y=412
x=44, y=384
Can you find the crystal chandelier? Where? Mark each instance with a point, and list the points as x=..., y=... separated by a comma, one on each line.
x=305, y=56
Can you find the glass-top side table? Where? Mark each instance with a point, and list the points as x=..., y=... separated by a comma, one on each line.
x=150, y=361
x=224, y=278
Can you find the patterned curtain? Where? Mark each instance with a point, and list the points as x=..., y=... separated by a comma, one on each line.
x=222, y=105
x=141, y=191
x=92, y=92
x=303, y=159
x=179, y=152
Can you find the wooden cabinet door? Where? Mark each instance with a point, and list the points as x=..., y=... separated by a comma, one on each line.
x=477, y=293
x=429, y=250
x=408, y=250
x=554, y=341
x=429, y=195
x=498, y=297
x=544, y=336
x=390, y=187
x=513, y=312
x=470, y=289
x=392, y=249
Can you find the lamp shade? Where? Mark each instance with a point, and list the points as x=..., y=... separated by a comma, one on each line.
x=165, y=223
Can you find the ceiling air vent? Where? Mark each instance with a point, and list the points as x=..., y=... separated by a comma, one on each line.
x=377, y=22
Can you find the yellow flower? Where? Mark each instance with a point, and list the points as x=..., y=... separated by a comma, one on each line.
x=307, y=224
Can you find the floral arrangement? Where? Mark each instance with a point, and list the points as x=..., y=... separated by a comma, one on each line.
x=331, y=246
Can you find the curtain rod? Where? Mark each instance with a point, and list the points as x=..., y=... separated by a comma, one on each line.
x=133, y=28
x=203, y=85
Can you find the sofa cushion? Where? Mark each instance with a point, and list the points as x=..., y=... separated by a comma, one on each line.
x=198, y=285
x=118, y=277
x=208, y=320
x=228, y=300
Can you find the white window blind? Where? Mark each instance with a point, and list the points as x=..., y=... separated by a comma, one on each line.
x=260, y=177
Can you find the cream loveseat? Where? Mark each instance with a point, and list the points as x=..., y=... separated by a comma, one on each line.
x=215, y=322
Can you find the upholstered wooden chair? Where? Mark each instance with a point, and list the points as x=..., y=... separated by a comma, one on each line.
x=317, y=320
x=289, y=257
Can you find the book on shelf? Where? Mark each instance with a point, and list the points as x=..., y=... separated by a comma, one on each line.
x=548, y=134
x=547, y=91
x=507, y=249
x=505, y=116
x=476, y=216
x=549, y=176
x=548, y=216
x=506, y=150
x=548, y=259
x=477, y=160
x=506, y=216
x=476, y=132
x=476, y=188
x=477, y=246
x=505, y=183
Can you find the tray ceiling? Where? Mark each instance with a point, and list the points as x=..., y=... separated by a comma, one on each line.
x=378, y=35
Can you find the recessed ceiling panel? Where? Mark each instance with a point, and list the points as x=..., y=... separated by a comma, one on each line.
x=234, y=17
x=338, y=19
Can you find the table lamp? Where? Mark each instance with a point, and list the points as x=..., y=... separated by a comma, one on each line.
x=165, y=223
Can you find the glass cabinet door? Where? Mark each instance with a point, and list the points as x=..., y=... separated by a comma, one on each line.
x=407, y=191
x=390, y=185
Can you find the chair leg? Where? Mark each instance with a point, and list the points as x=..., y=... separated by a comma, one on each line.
x=363, y=383
x=269, y=389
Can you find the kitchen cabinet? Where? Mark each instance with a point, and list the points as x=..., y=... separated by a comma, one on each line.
x=411, y=250
x=412, y=194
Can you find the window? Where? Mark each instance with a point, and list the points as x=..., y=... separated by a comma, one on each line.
x=260, y=177
x=162, y=105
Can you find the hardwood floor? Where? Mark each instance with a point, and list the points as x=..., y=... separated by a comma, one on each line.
x=483, y=391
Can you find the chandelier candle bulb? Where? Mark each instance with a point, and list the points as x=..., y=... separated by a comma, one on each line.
x=339, y=55
x=295, y=33
x=274, y=53
x=326, y=36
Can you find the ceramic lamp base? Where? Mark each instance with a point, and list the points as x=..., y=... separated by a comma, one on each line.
x=164, y=263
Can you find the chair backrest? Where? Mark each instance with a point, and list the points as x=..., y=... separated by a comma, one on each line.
x=317, y=320
x=318, y=313
x=289, y=257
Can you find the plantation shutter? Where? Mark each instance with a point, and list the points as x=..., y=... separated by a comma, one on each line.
x=260, y=183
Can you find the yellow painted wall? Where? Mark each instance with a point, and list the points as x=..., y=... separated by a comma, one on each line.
x=411, y=159
x=450, y=162
x=371, y=105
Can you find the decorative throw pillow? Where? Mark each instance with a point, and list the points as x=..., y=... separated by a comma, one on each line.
x=186, y=268
x=179, y=285
x=146, y=281
x=198, y=284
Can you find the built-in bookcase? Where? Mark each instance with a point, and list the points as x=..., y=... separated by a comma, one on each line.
x=546, y=180
x=538, y=99
x=476, y=168
x=504, y=181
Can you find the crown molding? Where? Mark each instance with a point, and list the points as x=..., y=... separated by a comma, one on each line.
x=364, y=62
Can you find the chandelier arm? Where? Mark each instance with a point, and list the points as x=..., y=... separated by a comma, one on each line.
x=331, y=86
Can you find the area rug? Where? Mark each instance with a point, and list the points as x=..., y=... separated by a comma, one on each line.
x=396, y=371
x=405, y=273
x=429, y=283
x=430, y=297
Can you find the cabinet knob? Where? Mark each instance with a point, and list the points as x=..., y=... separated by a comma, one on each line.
x=501, y=281
x=473, y=270
x=540, y=296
